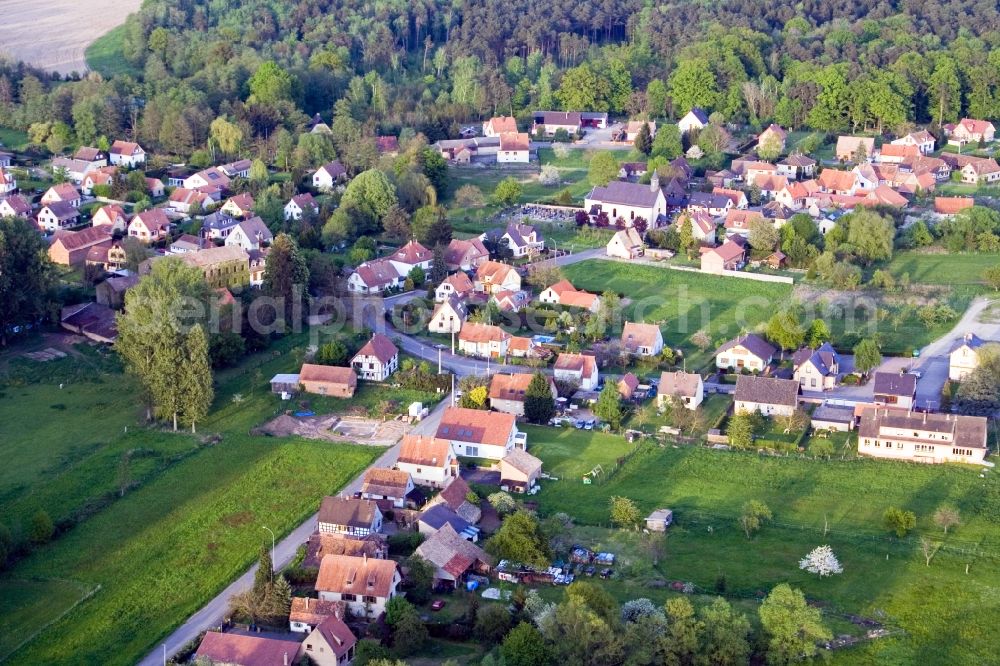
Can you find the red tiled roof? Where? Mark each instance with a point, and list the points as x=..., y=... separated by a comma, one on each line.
x=243, y=650
x=381, y=347
x=326, y=373
x=952, y=205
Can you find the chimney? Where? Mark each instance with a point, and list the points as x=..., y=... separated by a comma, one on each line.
x=307, y=603
x=286, y=659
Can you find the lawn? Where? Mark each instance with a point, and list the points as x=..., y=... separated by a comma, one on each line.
x=649, y=419
x=947, y=614
x=13, y=139
x=27, y=605
x=569, y=453
x=682, y=302
x=192, y=525
x=105, y=55
x=942, y=268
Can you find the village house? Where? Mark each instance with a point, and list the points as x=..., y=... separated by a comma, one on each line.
x=155, y=187
x=816, y=369
x=492, y=276
x=428, y=460
x=890, y=389
x=483, y=340
x=565, y=294
x=749, y=169
x=793, y=195
x=922, y=437
x=458, y=285
x=499, y=125
x=579, y=369
x=465, y=255
x=573, y=122
x=835, y=181
x=301, y=205
x=70, y=248
x=891, y=153
x=462, y=151
x=185, y=243
x=455, y=497
x=351, y=516
x=981, y=171
x=773, y=134
x=922, y=139
x=80, y=164
x=365, y=584
x=57, y=215
x=127, y=154
x=62, y=193
x=240, y=205
x=386, y=487
x=217, y=179
x=218, y=226
x=628, y=201
x=449, y=316
x=378, y=359
x=715, y=205
x=695, y=119
x=410, y=256
x=747, y=351
x=511, y=301
x=329, y=175
x=437, y=516
x=251, y=234
x=519, y=471
x=374, y=277
x=328, y=380
x=952, y=205
x=15, y=205
x=963, y=357
x=738, y=198
x=687, y=386
x=768, y=395
x=514, y=147
x=331, y=643
x=108, y=256
x=632, y=170
x=453, y=557
x=474, y=433
x=507, y=392
x=626, y=244
x=854, y=148
x=969, y=130
x=797, y=167
x=111, y=216
x=149, y=226
x=738, y=221
x=641, y=339
x=111, y=292
x=224, y=266
x=523, y=239
x=769, y=186
x=258, y=264
x=521, y=347
x=633, y=127
x=241, y=650
x=730, y=256
x=91, y=320
x=183, y=200
x=102, y=176
x=627, y=386
x=306, y=613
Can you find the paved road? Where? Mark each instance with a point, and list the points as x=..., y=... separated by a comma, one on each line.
x=215, y=611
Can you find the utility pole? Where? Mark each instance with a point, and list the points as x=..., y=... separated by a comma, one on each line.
x=440, y=347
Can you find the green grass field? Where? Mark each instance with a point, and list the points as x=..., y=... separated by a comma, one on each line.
x=682, y=302
x=193, y=524
x=947, y=614
x=105, y=55
x=13, y=139
x=570, y=453
x=943, y=268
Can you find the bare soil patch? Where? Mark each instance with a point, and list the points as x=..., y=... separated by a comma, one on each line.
x=334, y=428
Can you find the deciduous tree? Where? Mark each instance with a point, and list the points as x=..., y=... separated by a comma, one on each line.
x=793, y=627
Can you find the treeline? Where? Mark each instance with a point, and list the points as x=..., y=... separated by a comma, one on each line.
x=430, y=65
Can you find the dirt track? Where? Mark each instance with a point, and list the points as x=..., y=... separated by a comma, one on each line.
x=53, y=34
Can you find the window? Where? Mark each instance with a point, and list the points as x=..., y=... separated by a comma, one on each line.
x=369, y=599
x=348, y=597
x=309, y=646
x=472, y=451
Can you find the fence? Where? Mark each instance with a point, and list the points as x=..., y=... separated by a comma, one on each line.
x=760, y=277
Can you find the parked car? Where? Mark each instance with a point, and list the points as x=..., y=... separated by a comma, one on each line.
x=437, y=604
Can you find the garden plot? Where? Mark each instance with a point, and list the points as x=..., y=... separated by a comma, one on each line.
x=334, y=428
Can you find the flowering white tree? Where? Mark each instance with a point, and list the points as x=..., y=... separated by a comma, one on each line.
x=821, y=561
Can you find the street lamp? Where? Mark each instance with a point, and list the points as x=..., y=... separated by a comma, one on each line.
x=272, y=548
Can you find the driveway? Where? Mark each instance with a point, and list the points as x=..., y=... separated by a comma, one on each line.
x=601, y=138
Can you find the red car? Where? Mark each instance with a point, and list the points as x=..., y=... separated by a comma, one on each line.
x=437, y=604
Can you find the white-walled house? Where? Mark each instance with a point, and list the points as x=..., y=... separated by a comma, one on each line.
x=329, y=175
x=474, y=433
x=580, y=369
x=628, y=201
x=963, y=358
x=250, y=234
x=354, y=517
x=695, y=119
x=377, y=360
x=641, y=339
x=127, y=153
x=900, y=434
x=514, y=147
x=688, y=386
x=299, y=205
x=449, y=316
x=364, y=584
x=429, y=461
x=747, y=351
x=768, y=395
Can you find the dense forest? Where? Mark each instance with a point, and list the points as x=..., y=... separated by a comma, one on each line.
x=428, y=65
